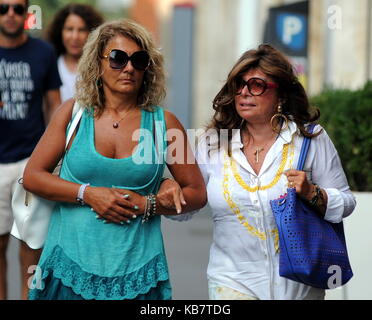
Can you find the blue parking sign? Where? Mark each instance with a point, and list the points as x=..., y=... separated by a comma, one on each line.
x=292, y=30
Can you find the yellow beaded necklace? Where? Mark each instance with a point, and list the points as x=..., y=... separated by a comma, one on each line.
x=278, y=174
x=235, y=208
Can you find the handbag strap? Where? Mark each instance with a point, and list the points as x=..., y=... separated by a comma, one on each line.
x=77, y=112
x=305, y=149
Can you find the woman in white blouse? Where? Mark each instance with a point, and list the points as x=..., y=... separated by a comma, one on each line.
x=265, y=111
x=68, y=33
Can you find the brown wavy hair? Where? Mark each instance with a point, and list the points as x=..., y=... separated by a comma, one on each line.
x=86, y=12
x=88, y=93
x=274, y=64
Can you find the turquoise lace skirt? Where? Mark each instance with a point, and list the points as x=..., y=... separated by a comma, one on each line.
x=63, y=279
x=55, y=290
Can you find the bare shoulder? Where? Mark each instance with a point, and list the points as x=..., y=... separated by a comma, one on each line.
x=172, y=121
x=63, y=114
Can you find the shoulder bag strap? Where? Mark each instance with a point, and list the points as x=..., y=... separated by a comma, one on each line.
x=77, y=112
x=304, y=149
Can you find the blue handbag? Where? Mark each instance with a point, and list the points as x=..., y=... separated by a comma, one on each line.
x=312, y=250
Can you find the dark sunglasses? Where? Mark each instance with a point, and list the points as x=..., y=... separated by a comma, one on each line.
x=256, y=86
x=17, y=8
x=118, y=59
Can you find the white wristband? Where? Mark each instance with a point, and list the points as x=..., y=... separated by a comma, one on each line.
x=80, y=196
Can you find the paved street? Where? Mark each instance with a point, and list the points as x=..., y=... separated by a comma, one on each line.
x=187, y=246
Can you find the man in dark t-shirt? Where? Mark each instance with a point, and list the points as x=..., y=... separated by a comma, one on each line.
x=28, y=76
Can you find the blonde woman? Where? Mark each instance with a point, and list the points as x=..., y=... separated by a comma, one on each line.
x=104, y=239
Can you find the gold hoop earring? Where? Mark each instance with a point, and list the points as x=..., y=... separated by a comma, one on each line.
x=284, y=120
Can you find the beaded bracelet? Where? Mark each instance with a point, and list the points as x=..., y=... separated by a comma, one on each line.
x=315, y=198
x=153, y=205
x=149, y=212
x=150, y=209
x=146, y=205
x=146, y=214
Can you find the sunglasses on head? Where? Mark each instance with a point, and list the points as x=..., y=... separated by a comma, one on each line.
x=256, y=86
x=17, y=8
x=118, y=59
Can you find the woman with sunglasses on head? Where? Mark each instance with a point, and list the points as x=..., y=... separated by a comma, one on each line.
x=104, y=239
x=247, y=158
x=68, y=32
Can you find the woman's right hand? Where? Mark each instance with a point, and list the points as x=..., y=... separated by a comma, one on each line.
x=170, y=195
x=110, y=204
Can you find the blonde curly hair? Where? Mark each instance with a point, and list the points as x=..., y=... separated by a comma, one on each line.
x=88, y=92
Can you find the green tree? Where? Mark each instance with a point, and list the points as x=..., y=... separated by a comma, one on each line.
x=347, y=117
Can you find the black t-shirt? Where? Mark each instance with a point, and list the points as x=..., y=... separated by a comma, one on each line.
x=26, y=73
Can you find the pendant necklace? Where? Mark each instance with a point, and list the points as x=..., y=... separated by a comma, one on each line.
x=257, y=151
x=257, y=154
x=115, y=125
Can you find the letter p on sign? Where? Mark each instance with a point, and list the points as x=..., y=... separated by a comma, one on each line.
x=292, y=31
x=292, y=26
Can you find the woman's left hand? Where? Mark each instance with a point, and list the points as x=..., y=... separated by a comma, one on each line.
x=297, y=179
x=137, y=201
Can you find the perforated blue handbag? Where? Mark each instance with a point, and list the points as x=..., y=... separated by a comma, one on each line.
x=312, y=250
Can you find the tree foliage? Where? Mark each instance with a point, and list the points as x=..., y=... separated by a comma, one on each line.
x=347, y=117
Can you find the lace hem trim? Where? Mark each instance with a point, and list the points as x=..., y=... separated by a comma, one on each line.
x=91, y=286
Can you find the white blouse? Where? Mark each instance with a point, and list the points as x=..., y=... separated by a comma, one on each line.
x=244, y=253
x=68, y=80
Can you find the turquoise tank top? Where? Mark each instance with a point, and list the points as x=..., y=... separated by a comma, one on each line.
x=109, y=261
